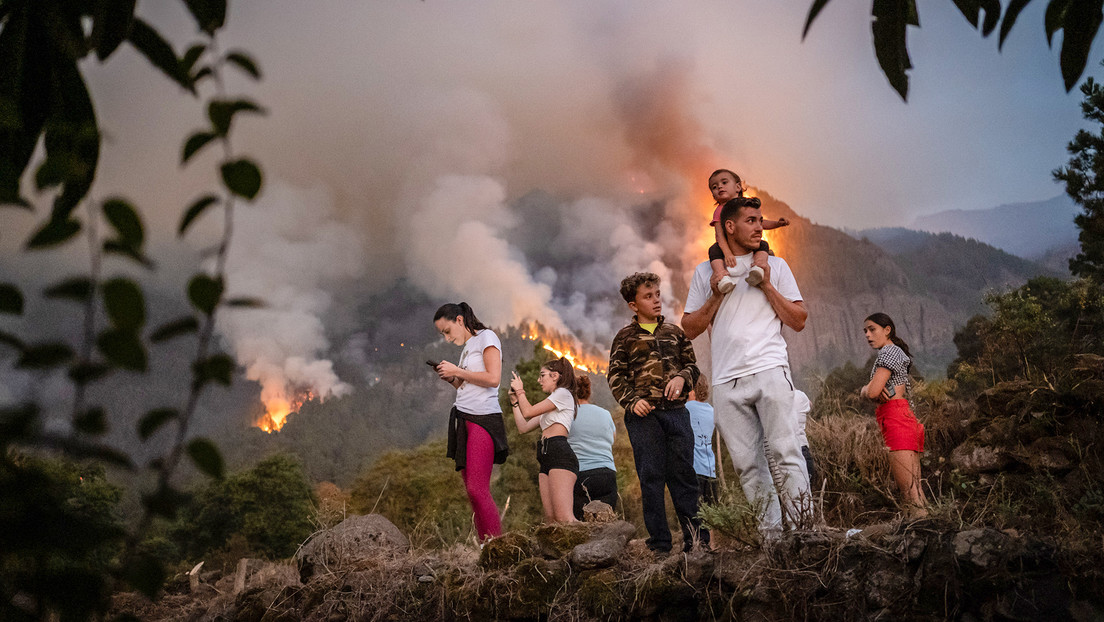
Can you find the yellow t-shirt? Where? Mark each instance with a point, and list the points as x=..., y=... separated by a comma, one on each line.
x=650, y=327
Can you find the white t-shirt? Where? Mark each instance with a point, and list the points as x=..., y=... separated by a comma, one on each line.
x=472, y=399
x=747, y=333
x=565, y=410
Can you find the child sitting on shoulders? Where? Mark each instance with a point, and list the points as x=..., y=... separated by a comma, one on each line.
x=726, y=185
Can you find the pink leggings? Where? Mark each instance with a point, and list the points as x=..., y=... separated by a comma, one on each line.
x=477, y=481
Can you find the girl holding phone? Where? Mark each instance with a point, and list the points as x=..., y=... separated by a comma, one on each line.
x=477, y=434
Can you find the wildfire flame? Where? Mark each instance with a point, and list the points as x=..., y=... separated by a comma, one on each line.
x=581, y=357
x=278, y=409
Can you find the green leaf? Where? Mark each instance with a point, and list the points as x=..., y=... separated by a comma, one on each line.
x=77, y=289
x=191, y=56
x=125, y=304
x=210, y=15
x=11, y=299
x=1010, y=15
x=154, y=419
x=194, y=143
x=92, y=421
x=123, y=348
x=1054, y=17
x=1079, y=27
x=158, y=52
x=242, y=177
x=176, y=328
x=45, y=356
x=145, y=573
x=972, y=9
x=115, y=247
x=194, y=211
x=814, y=10
x=53, y=171
x=11, y=341
x=205, y=292
x=110, y=25
x=218, y=368
x=83, y=373
x=123, y=217
x=246, y=302
x=207, y=457
x=891, y=19
x=54, y=232
x=221, y=113
x=245, y=63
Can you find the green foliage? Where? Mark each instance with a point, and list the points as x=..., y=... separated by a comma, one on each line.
x=1033, y=332
x=269, y=506
x=60, y=537
x=44, y=100
x=1084, y=179
x=1079, y=21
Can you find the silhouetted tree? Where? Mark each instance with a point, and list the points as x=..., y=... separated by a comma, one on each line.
x=1084, y=178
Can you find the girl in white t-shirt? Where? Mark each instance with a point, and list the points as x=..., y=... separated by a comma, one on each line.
x=477, y=434
x=558, y=465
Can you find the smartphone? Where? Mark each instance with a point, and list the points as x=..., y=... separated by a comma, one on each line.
x=432, y=364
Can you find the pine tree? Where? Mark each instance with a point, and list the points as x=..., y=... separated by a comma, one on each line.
x=1084, y=179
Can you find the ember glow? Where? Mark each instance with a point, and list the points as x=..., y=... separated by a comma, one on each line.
x=582, y=357
x=278, y=409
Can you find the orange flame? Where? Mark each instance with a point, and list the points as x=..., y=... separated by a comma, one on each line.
x=582, y=357
x=278, y=409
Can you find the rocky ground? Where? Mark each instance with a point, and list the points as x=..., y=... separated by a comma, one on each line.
x=920, y=570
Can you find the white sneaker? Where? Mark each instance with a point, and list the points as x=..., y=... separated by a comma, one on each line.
x=755, y=276
x=726, y=284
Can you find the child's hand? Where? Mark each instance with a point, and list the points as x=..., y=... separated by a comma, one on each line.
x=730, y=261
x=642, y=407
x=782, y=222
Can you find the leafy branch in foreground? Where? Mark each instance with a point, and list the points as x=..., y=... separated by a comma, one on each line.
x=45, y=100
x=1079, y=21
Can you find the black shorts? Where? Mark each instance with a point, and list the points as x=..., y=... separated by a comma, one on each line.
x=715, y=251
x=555, y=453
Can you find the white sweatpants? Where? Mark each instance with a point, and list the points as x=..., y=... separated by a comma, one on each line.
x=749, y=411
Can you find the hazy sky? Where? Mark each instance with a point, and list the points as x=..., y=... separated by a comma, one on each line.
x=356, y=88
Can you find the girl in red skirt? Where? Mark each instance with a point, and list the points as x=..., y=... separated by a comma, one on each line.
x=889, y=386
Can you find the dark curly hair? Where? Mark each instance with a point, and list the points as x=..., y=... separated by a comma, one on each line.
x=631, y=283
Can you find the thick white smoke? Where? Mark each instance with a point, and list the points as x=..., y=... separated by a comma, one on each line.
x=287, y=249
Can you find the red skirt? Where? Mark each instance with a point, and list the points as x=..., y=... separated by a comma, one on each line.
x=900, y=429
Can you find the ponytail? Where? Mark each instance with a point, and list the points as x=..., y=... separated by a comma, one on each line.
x=451, y=311
x=883, y=320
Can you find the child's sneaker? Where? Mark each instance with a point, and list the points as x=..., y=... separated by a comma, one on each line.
x=754, y=277
x=726, y=284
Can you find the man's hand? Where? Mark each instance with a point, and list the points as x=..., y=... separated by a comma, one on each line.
x=674, y=388
x=642, y=407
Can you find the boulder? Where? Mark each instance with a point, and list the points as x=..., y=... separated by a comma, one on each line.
x=971, y=458
x=353, y=539
x=598, y=512
x=980, y=548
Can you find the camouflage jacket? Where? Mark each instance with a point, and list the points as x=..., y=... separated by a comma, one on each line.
x=641, y=364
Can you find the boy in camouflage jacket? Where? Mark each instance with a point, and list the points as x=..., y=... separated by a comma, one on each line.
x=651, y=371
